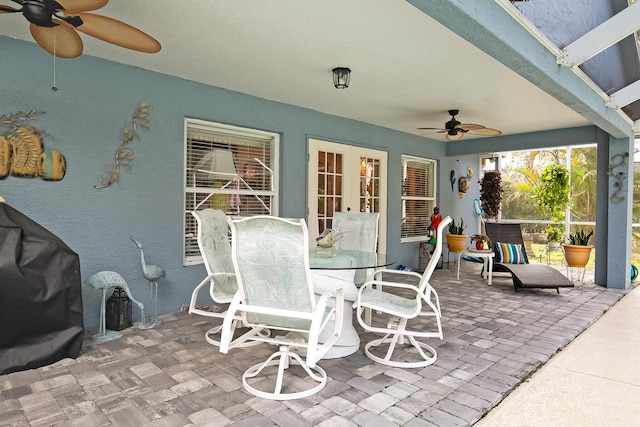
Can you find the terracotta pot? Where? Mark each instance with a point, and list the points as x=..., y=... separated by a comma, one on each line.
x=575, y=255
x=456, y=242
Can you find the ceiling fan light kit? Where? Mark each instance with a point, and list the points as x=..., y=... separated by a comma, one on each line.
x=454, y=130
x=341, y=77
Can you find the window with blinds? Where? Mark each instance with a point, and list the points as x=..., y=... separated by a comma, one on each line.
x=418, y=197
x=228, y=168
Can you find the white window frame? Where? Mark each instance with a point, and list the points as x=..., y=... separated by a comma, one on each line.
x=417, y=234
x=196, y=195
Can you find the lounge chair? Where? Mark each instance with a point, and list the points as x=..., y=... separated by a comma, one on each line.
x=524, y=275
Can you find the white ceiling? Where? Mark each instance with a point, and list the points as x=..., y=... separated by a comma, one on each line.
x=407, y=69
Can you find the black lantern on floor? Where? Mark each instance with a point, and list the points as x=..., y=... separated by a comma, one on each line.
x=118, y=311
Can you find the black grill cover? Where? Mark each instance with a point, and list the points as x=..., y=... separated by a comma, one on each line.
x=40, y=295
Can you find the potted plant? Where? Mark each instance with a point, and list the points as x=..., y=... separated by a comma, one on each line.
x=552, y=191
x=578, y=251
x=456, y=238
x=479, y=240
x=491, y=193
x=554, y=236
x=552, y=198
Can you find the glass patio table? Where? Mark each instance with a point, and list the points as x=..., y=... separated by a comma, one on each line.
x=348, y=260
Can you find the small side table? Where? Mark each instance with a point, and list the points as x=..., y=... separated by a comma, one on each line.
x=487, y=259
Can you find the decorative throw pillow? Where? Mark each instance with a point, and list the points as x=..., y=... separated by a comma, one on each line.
x=509, y=253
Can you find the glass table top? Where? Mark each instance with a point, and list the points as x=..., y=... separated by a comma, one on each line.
x=347, y=259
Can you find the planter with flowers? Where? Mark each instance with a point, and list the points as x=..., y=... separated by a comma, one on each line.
x=479, y=240
x=554, y=237
x=552, y=195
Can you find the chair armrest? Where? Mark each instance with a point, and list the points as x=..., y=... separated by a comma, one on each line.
x=375, y=283
x=401, y=272
x=209, y=280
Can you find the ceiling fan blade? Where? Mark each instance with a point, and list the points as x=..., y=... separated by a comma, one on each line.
x=455, y=137
x=77, y=6
x=469, y=126
x=438, y=129
x=61, y=40
x=117, y=32
x=8, y=9
x=485, y=132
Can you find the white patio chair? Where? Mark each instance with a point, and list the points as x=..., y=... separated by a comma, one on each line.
x=408, y=302
x=215, y=248
x=271, y=259
x=362, y=235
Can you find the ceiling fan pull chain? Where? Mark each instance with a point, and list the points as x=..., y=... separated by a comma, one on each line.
x=54, y=87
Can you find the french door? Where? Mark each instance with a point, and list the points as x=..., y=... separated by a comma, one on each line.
x=344, y=178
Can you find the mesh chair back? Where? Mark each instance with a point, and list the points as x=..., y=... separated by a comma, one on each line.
x=435, y=256
x=361, y=228
x=215, y=247
x=505, y=233
x=271, y=257
x=361, y=235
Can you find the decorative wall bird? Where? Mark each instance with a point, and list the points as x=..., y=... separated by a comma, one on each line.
x=152, y=273
x=105, y=280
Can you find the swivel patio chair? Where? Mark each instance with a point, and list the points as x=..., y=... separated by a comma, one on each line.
x=271, y=259
x=215, y=248
x=361, y=235
x=396, y=303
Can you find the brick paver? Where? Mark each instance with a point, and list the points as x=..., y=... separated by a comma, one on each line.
x=494, y=338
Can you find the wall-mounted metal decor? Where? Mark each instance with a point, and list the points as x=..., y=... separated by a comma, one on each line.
x=618, y=177
x=22, y=150
x=124, y=154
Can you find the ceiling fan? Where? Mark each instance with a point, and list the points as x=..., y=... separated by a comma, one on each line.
x=456, y=130
x=54, y=25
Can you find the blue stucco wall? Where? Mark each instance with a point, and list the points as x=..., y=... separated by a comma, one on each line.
x=84, y=120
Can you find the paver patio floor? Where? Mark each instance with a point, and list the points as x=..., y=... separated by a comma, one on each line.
x=494, y=339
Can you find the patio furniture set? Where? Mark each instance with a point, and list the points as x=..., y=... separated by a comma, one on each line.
x=264, y=273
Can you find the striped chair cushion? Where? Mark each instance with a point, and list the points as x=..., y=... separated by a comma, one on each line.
x=509, y=253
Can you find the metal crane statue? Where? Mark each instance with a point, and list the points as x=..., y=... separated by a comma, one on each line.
x=105, y=280
x=152, y=273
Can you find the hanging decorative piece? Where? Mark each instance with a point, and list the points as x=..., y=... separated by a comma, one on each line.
x=22, y=152
x=452, y=178
x=490, y=194
x=619, y=177
x=464, y=182
x=124, y=155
